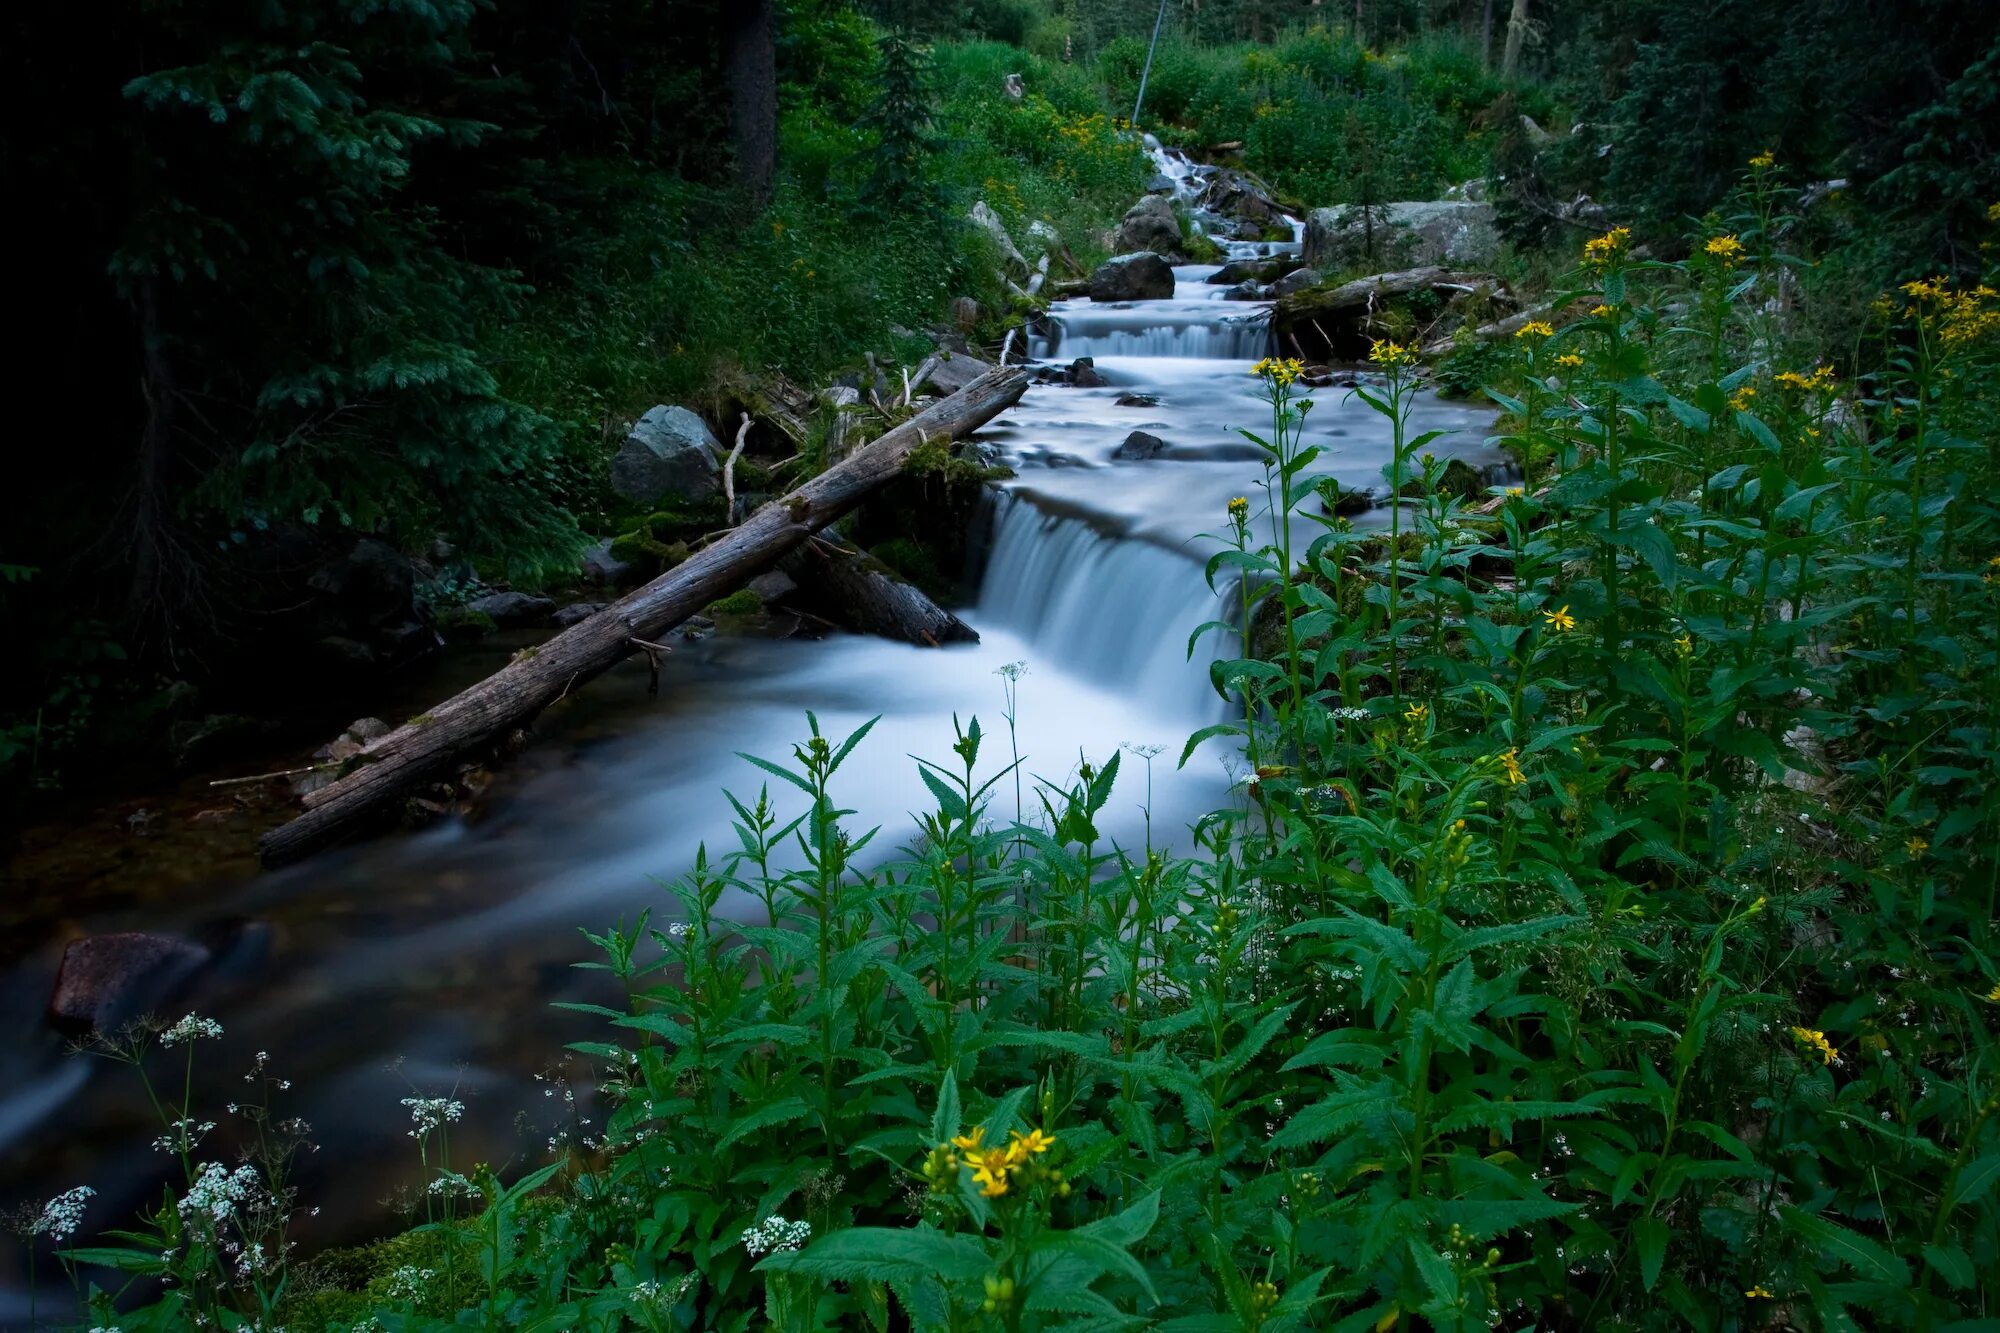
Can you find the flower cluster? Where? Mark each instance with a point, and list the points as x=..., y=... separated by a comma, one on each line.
x=184, y=1134
x=1740, y=400
x=1393, y=355
x=63, y=1214
x=1606, y=250
x=1279, y=371
x=407, y=1283
x=1764, y=160
x=1535, y=328
x=1510, y=767
x=1570, y=361
x=191, y=1028
x=1239, y=511
x=217, y=1191
x=1820, y=379
x=773, y=1234
x=1728, y=249
x=1560, y=620
x=993, y=1169
x=1815, y=1041
x=431, y=1113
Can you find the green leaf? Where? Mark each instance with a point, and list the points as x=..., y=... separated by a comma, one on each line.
x=1851, y=1248
x=1099, y=1254
x=885, y=1254
x=1975, y=1179
x=1128, y=1227
x=945, y=1120
x=776, y=1113
x=1951, y=1264
x=1649, y=1236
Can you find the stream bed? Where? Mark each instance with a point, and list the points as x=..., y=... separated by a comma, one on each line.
x=427, y=964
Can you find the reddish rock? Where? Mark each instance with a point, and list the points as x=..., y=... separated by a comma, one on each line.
x=105, y=980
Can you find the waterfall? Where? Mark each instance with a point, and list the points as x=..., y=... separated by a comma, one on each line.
x=1177, y=329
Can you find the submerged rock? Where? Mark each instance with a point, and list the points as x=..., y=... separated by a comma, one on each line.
x=1137, y=400
x=1136, y=277
x=670, y=452
x=1245, y=291
x=106, y=980
x=1083, y=374
x=1139, y=445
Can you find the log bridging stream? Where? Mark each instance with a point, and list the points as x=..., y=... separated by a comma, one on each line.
x=538, y=677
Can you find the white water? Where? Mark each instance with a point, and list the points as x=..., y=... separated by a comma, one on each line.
x=446, y=948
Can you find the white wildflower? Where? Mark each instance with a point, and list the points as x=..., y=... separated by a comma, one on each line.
x=217, y=1191
x=191, y=1028
x=185, y=1134
x=63, y=1214
x=450, y=1184
x=407, y=1283
x=431, y=1113
x=774, y=1233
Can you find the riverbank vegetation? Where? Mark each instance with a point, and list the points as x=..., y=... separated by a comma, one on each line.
x=1602, y=936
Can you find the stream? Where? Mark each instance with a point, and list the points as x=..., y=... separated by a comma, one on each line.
x=427, y=964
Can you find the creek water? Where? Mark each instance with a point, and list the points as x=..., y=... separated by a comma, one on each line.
x=428, y=964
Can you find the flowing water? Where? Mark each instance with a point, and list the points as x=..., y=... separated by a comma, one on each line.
x=427, y=964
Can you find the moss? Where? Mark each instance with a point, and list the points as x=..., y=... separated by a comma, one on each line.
x=742, y=602
x=458, y=622
x=1200, y=250
x=342, y=1287
x=910, y=560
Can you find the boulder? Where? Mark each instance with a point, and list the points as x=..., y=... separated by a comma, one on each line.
x=1456, y=233
x=772, y=585
x=1161, y=183
x=107, y=980
x=1296, y=281
x=1245, y=291
x=1136, y=277
x=1235, y=193
x=984, y=218
x=1243, y=270
x=1151, y=225
x=1139, y=446
x=366, y=729
x=1138, y=400
x=1083, y=374
x=953, y=373
x=508, y=609
x=602, y=567
x=670, y=452
x=965, y=313
x=576, y=613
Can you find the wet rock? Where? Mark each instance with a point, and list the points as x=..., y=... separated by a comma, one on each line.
x=107, y=980
x=1455, y=233
x=670, y=452
x=602, y=567
x=1161, y=183
x=508, y=609
x=1138, y=446
x=773, y=585
x=576, y=613
x=955, y=372
x=1235, y=193
x=1151, y=225
x=1083, y=374
x=1245, y=291
x=1352, y=503
x=1242, y=270
x=1296, y=281
x=1135, y=277
x=1138, y=400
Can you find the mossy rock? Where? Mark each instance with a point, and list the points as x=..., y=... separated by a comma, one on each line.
x=742, y=602
x=459, y=622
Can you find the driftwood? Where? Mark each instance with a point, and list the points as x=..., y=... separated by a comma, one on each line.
x=537, y=677
x=858, y=592
x=1499, y=328
x=1336, y=319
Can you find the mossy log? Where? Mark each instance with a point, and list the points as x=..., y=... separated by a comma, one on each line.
x=518, y=692
x=1337, y=322
x=860, y=593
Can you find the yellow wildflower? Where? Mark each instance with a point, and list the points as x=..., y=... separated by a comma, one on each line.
x=1510, y=762
x=1764, y=159
x=1603, y=251
x=1239, y=510
x=1820, y=378
x=1393, y=355
x=989, y=1172
x=1416, y=713
x=1600, y=310
x=1993, y=996
x=1993, y=212
x=1516, y=492
x=1759, y=1294
x=1916, y=847
x=971, y=1142
x=1534, y=328
x=1725, y=248
x=1023, y=1146
x=1569, y=361
x=1279, y=371
x=1740, y=400
x=1815, y=1041
x=1560, y=620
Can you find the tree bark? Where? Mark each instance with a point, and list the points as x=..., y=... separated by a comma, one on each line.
x=753, y=97
x=1517, y=34
x=860, y=593
x=538, y=677
x=1330, y=315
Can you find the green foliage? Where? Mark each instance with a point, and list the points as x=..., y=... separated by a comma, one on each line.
x=742, y=602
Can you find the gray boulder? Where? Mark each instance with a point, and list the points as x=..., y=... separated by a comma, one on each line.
x=670, y=452
x=955, y=372
x=1151, y=225
x=773, y=585
x=1083, y=374
x=1137, y=277
x=600, y=566
x=1235, y=193
x=576, y=613
x=513, y=608
x=1296, y=281
x=1242, y=270
x=1455, y=233
x=1246, y=291
x=1161, y=183
x=1139, y=446
x=984, y=218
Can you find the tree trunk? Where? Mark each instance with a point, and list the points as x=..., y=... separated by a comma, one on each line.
x=1338, y=321
x=753, y=98
x=1517, y=33
x=540, y=676
x=861, y=593
x=1486, y=37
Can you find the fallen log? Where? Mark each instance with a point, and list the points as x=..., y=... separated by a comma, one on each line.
x=1499, y=328
x=539, y=676
x=858, y=592
x=1334, y=321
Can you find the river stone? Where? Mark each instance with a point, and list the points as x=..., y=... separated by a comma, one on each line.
x=1151, y=225
x=1083, y=374
x=1296, y=281
x=956, y=371
x=670, y=452
x=576, y=613
x=773, y=585
x=513, y=608
x=1138, y=400
x=1161, y=183
x=105, y=980
x=1139, y=446
x=1140, y=277
x=1236, y=193
x=1241, y=270
x=600, y=566
x=1455, y=233
x=1245, y=291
